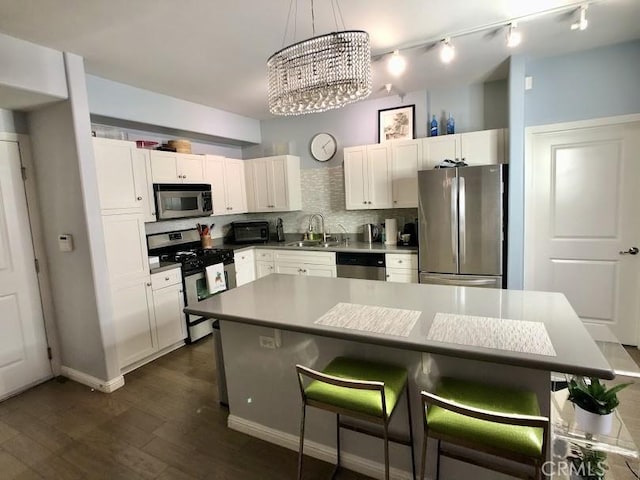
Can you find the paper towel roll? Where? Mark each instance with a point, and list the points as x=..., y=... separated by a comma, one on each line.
x=390, y=231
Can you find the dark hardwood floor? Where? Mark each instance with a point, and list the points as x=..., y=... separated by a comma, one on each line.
x=165, y=423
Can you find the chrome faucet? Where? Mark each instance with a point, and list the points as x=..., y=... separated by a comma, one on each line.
x=311, y=217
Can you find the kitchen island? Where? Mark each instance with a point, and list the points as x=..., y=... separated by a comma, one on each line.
x=283, y=312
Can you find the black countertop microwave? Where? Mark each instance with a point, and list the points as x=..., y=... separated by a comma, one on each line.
x=180, y=200
x=250, y=231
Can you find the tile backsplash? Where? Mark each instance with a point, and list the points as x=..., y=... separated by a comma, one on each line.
x=322, y=192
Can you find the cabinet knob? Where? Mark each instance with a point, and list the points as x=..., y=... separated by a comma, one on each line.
x=395, y=201
x=399, y=261
x=369, y=203
x=166, y=279
x=139, y=198
x=387, y=275
x=148, y=284
x=364, y=203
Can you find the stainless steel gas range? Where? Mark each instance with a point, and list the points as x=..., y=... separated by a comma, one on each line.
x=184, y=247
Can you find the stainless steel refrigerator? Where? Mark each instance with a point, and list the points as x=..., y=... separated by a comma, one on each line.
x=462, y=226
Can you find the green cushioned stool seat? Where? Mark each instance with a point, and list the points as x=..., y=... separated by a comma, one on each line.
x=527, y=441
x=367, y=402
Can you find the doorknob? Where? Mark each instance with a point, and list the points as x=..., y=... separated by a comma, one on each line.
x=631, y=251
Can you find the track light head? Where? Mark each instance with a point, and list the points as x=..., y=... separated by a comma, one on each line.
x=447, y=51
x=514, y=36
x=396, y=64
x=582, y=23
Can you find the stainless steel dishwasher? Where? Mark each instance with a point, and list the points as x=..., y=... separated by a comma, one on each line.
x=370, y=266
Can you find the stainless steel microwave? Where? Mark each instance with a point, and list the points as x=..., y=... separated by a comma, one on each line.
x=182, y=200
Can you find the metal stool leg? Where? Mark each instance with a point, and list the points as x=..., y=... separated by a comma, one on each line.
x=438, y=462
x=337, y=467
x=300, y=452
x=413, y=458
x=386, y=450
x=423, y=461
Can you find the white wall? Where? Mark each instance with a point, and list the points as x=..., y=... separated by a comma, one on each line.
x=119, y=101
x=13, y=122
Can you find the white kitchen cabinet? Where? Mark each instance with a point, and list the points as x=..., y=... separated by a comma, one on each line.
x=126, y=246
x=172, y=167
x=228, y=187
x=264, y=268
x=134, y=323
x=168, y=303
x=273, y=184
x=401, y=267
x=486, y=147
x=245, y=266
x=148, y=203
x=122, y=177
x=406, y=160
x=296, y=262
x=367, y=172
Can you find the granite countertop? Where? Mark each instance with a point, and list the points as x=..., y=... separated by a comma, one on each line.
x=351, y=247
x=297, y=303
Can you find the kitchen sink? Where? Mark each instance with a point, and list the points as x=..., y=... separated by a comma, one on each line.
x=312, y=243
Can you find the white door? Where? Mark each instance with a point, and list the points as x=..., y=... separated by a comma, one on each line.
x=582, y=215
x=261, y=177
x=278, y=183
x=319, y=270
x=482, y=148
x=126, y=246
x=437, y=149
x=191, y=168
x=168, y=303
x=23, y=343
x=406, y=159
x=235, y=183
x=263, y=269
x=164, y=167
x=214, y=174
x=379, y=170
x=289, y=268
x=355, y=178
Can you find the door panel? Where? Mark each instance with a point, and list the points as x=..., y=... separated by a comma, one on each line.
x=23, y=344
x=406, y=159
x=289, y=268
x=437, y=149
x=278, y=183
x=126, y=247
x=235, y=183
x=164, y=167
x=582, y=208
x=214, y=168
x=355, y=178
x=320, y=270
x=438, y=220
x=379, y=174
x=168, y=304
x=481, y=213
x=191, y=167
x=483, y=147
x=261, y=178
x=120, y=177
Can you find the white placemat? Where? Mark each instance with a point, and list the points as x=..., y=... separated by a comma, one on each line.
x=368, y=318
x=499, y=333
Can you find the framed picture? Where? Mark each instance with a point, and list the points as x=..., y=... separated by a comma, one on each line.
x=397, y=123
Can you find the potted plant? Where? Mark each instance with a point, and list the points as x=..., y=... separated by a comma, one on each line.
x=587, y=464
x=594, y=403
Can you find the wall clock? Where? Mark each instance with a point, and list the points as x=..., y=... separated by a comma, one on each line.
x=323, y=147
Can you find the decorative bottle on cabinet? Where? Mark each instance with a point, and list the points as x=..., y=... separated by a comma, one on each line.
x=451, y=126
x=434, y=127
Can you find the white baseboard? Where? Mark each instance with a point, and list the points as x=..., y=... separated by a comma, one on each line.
x=151, y=358
x=93, y=382
x=314, y=449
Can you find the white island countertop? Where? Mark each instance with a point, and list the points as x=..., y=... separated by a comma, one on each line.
x=296, y=303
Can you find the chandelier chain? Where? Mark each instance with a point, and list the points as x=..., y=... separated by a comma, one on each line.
x=335, y=19
x=344, y=26
x=286, y=25
x=313, y=20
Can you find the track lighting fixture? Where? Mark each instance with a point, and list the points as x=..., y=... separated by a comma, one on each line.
x=397, y=64
x=447, y=51
x=514, y=36
x=582, y=23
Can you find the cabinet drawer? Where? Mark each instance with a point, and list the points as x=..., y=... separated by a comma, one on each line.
x=313, y=258
x=166, y=278
x=402, y=275
x=244, y=256
x=264, y=255
x=402, y=260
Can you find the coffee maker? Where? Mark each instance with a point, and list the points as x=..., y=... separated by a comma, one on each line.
x=411, y=230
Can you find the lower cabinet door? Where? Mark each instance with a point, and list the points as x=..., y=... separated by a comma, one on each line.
x=133, y=320
x=289, y=268
x=401, y=275
x=263, y=269
x=245, y=275
x=320, y=270
x=168, y=303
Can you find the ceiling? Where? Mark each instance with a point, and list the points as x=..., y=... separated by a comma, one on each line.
x=214, y=52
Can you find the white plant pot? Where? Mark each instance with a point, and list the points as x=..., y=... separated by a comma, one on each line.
x=592, y=422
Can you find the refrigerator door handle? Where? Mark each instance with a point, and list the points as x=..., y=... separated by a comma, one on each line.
x=462, y=214
x=459, y=282
x=454, y=221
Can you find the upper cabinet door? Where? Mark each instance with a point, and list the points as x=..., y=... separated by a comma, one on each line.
x=164, y=167
x=379, y=175
x=191, y=168
x=355, y=178
x=148, y=202
x=279, y=200
x=406, y=160
x=482, y=148
x=261, y=179
x=126, y=246
x=235, y=186
x=121, y=176
x=215, y=175
x=437, y=149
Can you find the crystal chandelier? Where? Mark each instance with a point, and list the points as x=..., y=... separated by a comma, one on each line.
x=320, y=73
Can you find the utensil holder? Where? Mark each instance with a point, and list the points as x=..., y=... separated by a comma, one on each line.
x=206, y=241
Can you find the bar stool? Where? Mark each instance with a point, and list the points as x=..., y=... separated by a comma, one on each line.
x=504, y=422
x=358, y=389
